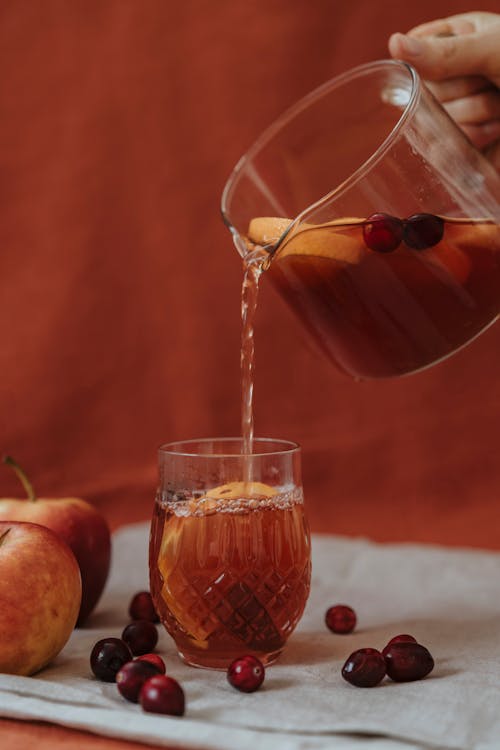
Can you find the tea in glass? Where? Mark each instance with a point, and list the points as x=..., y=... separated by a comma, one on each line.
x=229, y=559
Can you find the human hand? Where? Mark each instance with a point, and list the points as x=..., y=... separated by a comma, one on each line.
x=459, y=57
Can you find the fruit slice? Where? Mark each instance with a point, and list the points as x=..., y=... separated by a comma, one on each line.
x=266, y=230
x=450, y=259
x=473, y=236
x=214, y=499
x=238, y=490
x=461, y=239
x=322, y=240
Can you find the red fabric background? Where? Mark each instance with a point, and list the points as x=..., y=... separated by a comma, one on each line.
x=119, y=285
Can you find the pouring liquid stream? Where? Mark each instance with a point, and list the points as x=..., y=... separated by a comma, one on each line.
x=253, y=266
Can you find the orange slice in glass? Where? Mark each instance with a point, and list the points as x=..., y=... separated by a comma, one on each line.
x=239, y=490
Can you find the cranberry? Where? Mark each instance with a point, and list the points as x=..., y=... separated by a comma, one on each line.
x=132, y=676
x=382, y=233
x=246, y=674
x=154, y=659
x=340, y=619
x=364, y=668
x=162, y=695
x=423, y=230
x=107, y=657
x=142, y=608
x=408, y=661
x=141, y=636
x=402, y=638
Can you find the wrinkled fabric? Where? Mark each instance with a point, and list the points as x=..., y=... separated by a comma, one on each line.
x=447, y=599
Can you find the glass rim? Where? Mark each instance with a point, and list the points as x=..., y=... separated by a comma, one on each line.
x=295, y=109
x=181, y=448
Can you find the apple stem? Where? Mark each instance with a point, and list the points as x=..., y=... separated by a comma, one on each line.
x=21, y=476
x=4, y=535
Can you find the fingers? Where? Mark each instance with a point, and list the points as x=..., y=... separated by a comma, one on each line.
x=438, y=57
x=457, y=88
x=444, y=27
x=459, y=57
x=474, y=104
x=462, y=23
x=493, y=154
x=483, y=135
x=475, y=109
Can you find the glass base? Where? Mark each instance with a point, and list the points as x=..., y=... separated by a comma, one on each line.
x=220, y=662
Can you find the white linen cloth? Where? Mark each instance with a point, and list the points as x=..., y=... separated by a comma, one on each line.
x=448, y=599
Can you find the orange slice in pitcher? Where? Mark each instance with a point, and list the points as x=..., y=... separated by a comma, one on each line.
x=330, y=240
x=266, y=230
x=461, y=239
x=473, y=235
x=449, y=258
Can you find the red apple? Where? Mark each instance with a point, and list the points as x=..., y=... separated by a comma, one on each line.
x=40, y=595
x=78, y=523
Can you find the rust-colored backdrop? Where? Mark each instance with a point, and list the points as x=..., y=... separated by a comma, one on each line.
x=119, y=285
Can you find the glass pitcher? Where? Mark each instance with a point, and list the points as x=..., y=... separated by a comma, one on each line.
x=379, y=220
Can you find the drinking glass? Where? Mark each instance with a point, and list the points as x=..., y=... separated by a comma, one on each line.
x=229, y=557
x=378, y=218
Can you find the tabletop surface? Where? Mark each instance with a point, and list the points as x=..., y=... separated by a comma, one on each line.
x=393, y=588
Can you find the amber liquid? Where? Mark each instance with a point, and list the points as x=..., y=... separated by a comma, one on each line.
x=230, y=577
x=252, y=269
x=385, y=314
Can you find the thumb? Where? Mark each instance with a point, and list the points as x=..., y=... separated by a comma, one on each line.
x=449, y=56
